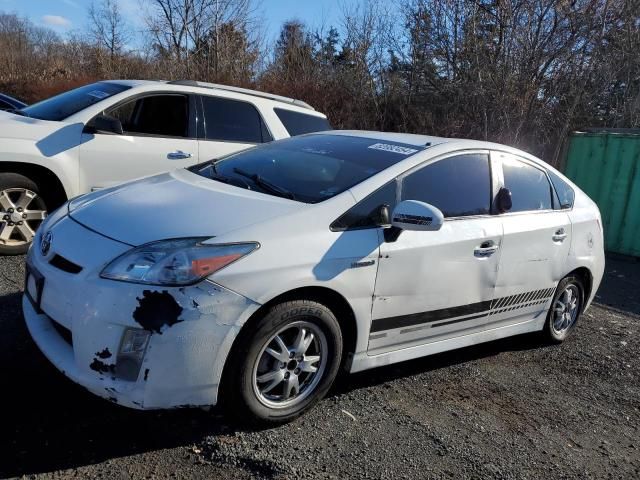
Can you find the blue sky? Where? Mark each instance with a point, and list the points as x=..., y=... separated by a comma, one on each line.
x=65, y=16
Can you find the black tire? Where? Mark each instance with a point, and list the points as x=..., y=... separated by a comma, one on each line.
x=238, y=394
x=16, y=181
x=550, y=332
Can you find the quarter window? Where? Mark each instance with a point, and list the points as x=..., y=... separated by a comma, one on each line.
x=366, y=213
x=233, y=121
x=459, y=186
x=298, y=123
x=529, y=186
x=158, y=115
x=565, y=193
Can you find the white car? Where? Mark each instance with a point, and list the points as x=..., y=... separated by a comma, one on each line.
x=252, y=279
x=108, y=132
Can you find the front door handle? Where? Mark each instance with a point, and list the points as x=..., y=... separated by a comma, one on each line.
x=560, y=235
x=178, y=155
x=486, y=249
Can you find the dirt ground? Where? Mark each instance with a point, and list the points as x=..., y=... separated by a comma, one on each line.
x=513, y=409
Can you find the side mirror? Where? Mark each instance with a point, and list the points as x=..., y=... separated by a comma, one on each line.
x=106, y=124
x=417, y=216
x=503, y=200
x=382, y=216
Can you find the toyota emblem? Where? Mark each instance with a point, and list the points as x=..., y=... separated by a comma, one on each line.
x=45, y=244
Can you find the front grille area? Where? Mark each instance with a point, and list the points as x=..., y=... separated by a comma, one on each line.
x=64, y=332
x=65, y=265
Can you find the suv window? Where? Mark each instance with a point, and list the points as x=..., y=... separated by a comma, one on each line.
x=161, y=115
x=565, y=194
x=233, y=121
x=529, y=186
x=459, y=186
x=366, y=213
x=298, y=123
x=67, y=103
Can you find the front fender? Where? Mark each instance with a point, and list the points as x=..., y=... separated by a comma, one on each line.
x=60, y=158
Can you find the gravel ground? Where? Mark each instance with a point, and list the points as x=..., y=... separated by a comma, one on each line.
x=508, y=409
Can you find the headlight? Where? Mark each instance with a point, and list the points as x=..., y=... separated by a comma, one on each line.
x=177, y=262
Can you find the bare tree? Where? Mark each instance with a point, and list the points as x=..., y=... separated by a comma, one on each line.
x=109, y=28
x=520, y=72
x=189, y=31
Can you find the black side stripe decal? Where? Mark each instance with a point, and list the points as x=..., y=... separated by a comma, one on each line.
x=428, y=317
x=442, y=324
x=467, y=312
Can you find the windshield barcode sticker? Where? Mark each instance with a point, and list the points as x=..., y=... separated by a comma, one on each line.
x=98, y=94
x=393, y=148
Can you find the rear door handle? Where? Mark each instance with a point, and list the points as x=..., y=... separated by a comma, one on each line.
x=560, y=235
x=486, y=249
x=178, y=155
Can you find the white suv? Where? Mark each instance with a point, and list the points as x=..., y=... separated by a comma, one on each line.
x=108, y=132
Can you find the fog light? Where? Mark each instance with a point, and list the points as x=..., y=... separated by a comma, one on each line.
x=131, y=353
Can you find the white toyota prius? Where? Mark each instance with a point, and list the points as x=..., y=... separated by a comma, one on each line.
x=252, y=279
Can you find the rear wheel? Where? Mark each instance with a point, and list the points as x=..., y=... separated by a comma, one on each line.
x=22, y=210
x=285, y=365
x=565, y=310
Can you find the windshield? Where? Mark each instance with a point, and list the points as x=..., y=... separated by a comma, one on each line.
x=310, y=168
x=66, y=104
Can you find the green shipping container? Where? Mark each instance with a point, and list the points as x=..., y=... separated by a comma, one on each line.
x=606, y=165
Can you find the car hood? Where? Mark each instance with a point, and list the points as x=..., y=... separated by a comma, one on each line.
x=173, y=205
x=17, y=126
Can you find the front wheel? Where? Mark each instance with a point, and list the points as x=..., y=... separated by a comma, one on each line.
x=567, y=305
x=285, y=365
x=22, y=210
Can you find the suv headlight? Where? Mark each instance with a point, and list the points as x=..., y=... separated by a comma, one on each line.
x=178, y=262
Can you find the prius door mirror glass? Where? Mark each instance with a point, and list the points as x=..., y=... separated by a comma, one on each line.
x=503, y=200
x=418, y=216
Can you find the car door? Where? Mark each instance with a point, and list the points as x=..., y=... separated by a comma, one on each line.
x=229, y=126
x=440, y=284
x=159, y=135
x=535, y=246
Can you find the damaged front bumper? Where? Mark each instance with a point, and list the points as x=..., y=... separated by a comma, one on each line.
x=79, y=321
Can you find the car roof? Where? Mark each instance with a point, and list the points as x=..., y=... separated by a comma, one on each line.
x=431, y=141
x=408, y=138
x=192, y=84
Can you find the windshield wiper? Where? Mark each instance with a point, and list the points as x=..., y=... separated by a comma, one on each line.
x=265, y=184
x=18, y=112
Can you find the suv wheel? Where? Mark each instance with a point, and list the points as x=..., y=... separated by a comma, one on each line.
x=285, y=365
x=22, y=210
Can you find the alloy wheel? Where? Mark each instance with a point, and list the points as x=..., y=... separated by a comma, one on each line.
x=566, y=309
x=21, y=213
x=290, y=365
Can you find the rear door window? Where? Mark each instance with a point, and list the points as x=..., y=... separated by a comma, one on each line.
x=233, y=121
x=298, y=123
x=529, y=186
x=157, y=115
x=459, y=186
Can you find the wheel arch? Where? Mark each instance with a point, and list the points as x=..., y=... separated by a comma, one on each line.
x=328, y=297
x=51, y=188
x=585, y=275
